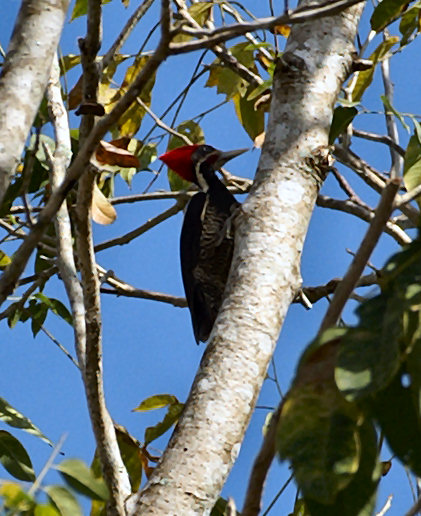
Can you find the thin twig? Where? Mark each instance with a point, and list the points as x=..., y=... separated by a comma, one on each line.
x=359, y=211
x=59, y=345
x=392, y=130
x=121, y=288
x=124, y=34
x=128, y=237
x=260, y=468
x=347, y=285
x=47, y=466
x=210, y=38
x=381, y=138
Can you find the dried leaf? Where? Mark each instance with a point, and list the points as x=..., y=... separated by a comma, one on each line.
x=103, y=211
x=258, y=141
x=109, y=154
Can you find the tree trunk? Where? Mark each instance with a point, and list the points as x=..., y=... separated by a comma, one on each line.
x=265, y=273
x=24, y=77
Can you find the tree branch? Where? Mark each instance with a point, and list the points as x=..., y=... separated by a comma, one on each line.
x=261, y=465
x=221, y=34
x=62, y=224
x=128, y=237
x=12, y=273
x=347, y=285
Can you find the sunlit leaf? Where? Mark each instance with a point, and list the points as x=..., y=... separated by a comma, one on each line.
x=283, y=30
x=390, y=108
x=16, y=419
x=68, y=62
x=386, y=12
x=103, y=212
x=4, y=260
x=132, y=456
x=14, y=457
x=156, y=402
x=81, y=478
x=200, y=12
x=253, y=121
x=365, y=77
x=15, y=498
x=56, y=306
x=412, y=164
x=64, y=500
x=45, y=510
x=171, y=417
x=410, y=23
x=225, y=79
x=81, y=8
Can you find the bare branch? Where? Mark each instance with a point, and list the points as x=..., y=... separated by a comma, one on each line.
x=381, y=138
x=128, y=237
x=347, y=285
x=260, y=468
x=371, y=176
x=11, y=275
x=124, y=34
x=359, y=211
x=62, y=224
x=319, y=292
x=121, y=288
x=220, y=34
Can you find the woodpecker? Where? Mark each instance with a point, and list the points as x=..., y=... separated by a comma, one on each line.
x=206, y=243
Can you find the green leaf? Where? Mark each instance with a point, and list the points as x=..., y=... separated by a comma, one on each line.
x=129, y=123
x=318, y=430
x=81, y=8
x=389, y=107
x=4, y=260
x=412, y=164
x=79, y=476
x=386, y=12
x=15, y=498
x=171, y=417
x=131, y=455
x=68, y=62
x=359, y=496
x=38, y=313
x=45, y=510
x=252, y=120
x=200, y=12
x=16, y=419
x=146, y=155
x=64, y=500
x=410, y=23
x=56, y=307
x=342, y=117
x=365, y=77
x=225, y=79
x=156, y=402
x=14, y=457
x=400, y=420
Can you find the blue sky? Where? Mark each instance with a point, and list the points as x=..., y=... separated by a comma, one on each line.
x=148, y=346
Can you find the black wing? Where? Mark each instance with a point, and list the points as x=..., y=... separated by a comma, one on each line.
x=191, y=232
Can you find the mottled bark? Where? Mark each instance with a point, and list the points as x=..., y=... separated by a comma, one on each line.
x=24, y=77
x=265, y=273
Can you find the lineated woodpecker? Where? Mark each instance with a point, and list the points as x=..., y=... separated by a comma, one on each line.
x=206, y=243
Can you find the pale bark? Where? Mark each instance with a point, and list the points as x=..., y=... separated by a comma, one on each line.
x=265, y=274
x=24, y=77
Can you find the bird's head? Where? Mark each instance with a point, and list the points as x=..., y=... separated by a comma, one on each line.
x=186, y=160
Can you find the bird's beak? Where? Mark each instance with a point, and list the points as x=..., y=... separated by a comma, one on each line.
x=223, y=157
